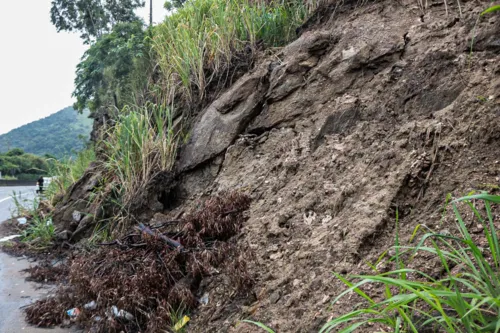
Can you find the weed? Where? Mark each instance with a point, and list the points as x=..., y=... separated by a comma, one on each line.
x=491, y=9
x=22, y=206
x=141, y=145
x=258, y=324
x=199, y=41
x=179, y=319
x=463, y=300
x=39, y=231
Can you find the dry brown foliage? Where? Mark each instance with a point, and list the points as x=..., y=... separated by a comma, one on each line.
x=47, y=273
x=146, y=277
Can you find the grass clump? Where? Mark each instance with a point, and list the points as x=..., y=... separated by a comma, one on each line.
x=198, y=43
x=68, y=171
x=39, y=230
x=464, y=299
x=141, y=145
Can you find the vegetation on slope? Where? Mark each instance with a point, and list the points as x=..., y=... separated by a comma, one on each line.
x=58, y=135
x=142, y=77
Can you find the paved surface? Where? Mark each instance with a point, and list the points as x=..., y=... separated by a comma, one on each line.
x=15, y=292
x=23, y=193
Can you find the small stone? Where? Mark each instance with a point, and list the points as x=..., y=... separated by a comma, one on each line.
x=77, y=216
x=64, y=235
x=276, y=256
x=275, y=297
x=296, y=282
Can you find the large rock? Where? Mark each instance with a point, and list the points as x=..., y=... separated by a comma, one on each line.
x=225, y=119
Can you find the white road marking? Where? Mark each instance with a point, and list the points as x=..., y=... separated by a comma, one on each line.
x=8, y=198
x=19, y=196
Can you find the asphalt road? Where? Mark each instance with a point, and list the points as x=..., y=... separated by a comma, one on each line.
x=23, y=193
x=15, y=292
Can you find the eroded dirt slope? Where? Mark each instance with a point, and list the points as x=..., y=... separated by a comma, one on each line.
x=374, y=107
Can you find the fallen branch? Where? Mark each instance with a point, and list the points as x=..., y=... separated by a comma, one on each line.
x=168, y=241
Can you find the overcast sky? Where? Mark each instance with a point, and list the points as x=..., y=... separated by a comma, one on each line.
x=37, y=64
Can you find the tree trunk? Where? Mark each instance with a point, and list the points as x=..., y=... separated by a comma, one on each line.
x=150, y=13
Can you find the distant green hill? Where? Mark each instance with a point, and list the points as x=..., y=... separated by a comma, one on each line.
x=58, y=134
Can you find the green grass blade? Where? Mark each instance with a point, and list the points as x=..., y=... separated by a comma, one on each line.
x=258, y=324
x=491, y=10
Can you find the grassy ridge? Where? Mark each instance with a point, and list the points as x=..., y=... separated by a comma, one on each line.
x=193, y=47
x=199, y=41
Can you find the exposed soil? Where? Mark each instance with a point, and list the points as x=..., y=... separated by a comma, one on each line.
x=374, y=108
x=392, y=113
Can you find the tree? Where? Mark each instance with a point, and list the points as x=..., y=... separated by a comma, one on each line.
x=171, y=4
x=92, y=18
x=103, y=75
x=15, y=152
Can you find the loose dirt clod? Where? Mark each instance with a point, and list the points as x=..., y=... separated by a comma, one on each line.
x=144, y=276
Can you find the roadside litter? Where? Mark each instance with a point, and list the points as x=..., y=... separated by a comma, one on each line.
x=90, y=306
x=181, y=323
x=73, y=313
x=8, y=238
x=121, y=314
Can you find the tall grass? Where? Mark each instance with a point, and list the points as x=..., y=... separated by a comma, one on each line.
x=199, y=41
x=464, y=299
x=142, y=144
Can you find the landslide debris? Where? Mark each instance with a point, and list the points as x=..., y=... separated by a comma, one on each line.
x=148, y=278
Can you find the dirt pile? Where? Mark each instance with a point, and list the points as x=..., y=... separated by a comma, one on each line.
x=374, y=108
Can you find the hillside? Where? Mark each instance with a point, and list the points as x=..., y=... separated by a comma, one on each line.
x=261, y=184
x=58, y=134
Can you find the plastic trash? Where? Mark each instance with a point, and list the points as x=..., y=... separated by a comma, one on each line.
x=90, y=306
x=122, y=314
x=181, y=323
x=204, y=299
x=8, y=238
x=22, y=220
x=73, y=313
